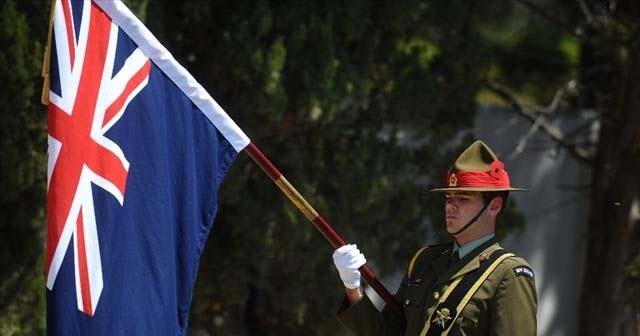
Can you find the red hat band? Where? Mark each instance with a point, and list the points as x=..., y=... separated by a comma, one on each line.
x=497, y=177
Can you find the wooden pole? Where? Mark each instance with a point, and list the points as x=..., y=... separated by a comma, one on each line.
x=320, y=223
x=44, y=98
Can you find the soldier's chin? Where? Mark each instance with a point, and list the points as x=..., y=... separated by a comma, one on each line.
x=451, y=225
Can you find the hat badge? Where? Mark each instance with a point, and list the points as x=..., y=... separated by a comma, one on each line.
x=453, y=180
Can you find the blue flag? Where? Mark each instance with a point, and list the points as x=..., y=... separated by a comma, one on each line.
x=137, y=153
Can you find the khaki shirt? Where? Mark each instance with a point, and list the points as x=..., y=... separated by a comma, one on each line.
x=505, y=303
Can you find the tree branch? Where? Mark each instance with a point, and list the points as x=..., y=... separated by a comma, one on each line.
x=524, y=140
x=559, y=96
x=540, y=122
x=551, y=18
x=586, y=11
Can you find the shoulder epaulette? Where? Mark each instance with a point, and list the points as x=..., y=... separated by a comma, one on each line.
x=413, y=261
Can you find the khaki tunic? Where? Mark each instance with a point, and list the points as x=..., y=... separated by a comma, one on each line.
x=505, y=303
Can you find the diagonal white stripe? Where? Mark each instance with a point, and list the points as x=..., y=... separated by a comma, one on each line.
x=68, y=87
x=65, y=238
x=53, y=151
x=92, y=246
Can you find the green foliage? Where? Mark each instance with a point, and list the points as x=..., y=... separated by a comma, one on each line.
x=362, y=105
x=529, y=54
x=22, y=167
x=25, y=313
x=139, y=8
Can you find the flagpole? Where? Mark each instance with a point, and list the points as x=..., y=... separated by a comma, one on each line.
x=320, y=223
x=44, y=98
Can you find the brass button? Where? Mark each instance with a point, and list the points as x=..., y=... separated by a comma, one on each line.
x=407, y=302
x=436, y=295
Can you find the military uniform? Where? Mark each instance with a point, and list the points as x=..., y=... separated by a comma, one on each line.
x=504, y=304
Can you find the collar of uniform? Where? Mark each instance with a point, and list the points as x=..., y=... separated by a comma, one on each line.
x=473, y=263
x=465, y=265
x=464, y=250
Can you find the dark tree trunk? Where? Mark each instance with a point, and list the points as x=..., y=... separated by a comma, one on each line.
x=610, y=78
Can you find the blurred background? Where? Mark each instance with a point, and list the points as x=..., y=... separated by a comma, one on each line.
x=363, y=105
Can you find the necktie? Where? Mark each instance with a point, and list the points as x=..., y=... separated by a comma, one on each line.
x=455, y=256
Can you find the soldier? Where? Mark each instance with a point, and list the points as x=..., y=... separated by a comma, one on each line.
x=468, y=287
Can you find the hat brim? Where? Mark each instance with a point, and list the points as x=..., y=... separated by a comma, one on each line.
x=476, y=189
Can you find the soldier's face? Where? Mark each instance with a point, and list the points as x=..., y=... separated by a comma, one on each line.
x=461, y=207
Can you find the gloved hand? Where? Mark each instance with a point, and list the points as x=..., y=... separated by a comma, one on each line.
x=348, y=259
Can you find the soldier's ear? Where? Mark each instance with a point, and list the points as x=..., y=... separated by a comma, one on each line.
x=495, y=205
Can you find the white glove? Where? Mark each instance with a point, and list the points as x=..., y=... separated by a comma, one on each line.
x=347, y=260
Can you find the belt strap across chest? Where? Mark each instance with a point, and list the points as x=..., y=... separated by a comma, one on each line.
x=458, y=294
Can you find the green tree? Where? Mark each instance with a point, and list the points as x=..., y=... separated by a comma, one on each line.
x=22, y=167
